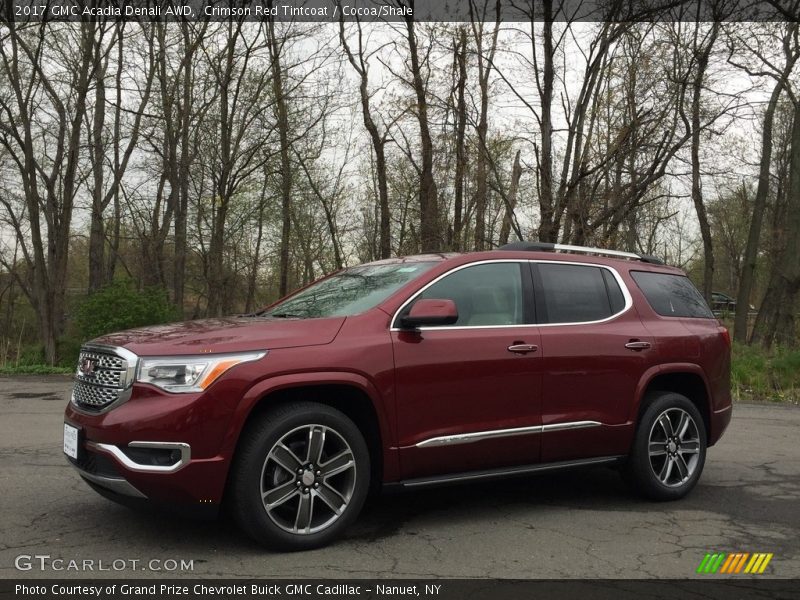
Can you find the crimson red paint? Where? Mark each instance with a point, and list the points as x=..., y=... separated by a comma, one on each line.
x=472, y=398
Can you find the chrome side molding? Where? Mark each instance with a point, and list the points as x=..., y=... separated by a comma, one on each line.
x=570, y=425
x=476, y=436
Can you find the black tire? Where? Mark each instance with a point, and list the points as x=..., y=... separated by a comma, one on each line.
x=261, y=467
x=646, y=472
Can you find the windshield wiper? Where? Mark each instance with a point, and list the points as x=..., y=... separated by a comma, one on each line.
x=285, y=315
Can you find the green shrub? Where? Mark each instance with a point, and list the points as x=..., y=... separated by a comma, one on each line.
x=31, y=354
x=68, y=350
x=121, y=306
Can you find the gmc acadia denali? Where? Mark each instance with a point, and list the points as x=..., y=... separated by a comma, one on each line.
x=409, y=372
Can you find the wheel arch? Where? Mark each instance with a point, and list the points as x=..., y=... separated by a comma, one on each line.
x=350, y=393
x=686, y=379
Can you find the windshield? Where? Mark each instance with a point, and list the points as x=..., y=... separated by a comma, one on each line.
x=348, y=293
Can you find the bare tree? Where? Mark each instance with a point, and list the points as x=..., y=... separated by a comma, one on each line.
x=791, y=52
x=701, y=49
x=430, y=234
x=237, y=134
x=360, y=63
x=460, y=52
x=41, y=120
x=484, y=64
x=101, y=145
x=775, y=321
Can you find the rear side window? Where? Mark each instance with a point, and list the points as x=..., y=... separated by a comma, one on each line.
x=577, y=294
x=672, y=295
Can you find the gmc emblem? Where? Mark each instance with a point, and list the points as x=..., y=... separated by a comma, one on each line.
x=87, y=367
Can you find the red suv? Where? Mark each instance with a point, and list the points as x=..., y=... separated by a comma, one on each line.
x=409, y=372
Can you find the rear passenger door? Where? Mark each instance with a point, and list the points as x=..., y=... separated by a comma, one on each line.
x=594, y=351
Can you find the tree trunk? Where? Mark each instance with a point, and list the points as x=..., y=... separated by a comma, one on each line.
x=775, y=321
x=747, y=278
x=378, y=143
x=697, y=192
x=184, y=163
x=481, y=172
x=97, y=230
x=461, y=127
x=429, y=226
x=548, y=231
x=516, y=173
x=286, y=165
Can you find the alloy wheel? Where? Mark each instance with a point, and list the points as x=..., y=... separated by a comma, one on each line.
x=674, y=447
x=308, y=479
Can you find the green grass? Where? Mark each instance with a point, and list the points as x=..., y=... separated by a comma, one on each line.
x=35, y=370
x=758, y=375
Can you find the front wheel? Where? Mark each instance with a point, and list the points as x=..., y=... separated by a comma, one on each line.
x=301, y=476
x=669, y=449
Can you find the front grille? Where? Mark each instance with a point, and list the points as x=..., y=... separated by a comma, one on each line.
x=94, y=396
x=102, y=377
x=104, y=361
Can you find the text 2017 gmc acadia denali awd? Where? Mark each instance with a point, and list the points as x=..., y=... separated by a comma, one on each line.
x=412, y=371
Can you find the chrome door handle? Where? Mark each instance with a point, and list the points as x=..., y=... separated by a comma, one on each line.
x=637, y=345
x=523, y=348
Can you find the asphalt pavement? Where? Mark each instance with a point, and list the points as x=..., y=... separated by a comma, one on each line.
x=582, y=524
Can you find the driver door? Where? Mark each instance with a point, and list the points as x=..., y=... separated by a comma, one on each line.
x=469, y=394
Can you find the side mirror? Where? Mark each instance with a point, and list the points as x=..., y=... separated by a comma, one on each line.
x=430, y=311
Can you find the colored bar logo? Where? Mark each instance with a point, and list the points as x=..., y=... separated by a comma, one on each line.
x=734, y=563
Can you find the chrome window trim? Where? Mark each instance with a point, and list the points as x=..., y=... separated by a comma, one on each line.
x=130, y=464
x=450, y=272
x=625, y=293
x=617, y=277
x=476, y=436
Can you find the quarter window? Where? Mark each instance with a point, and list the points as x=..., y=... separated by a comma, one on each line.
x=577, y=294
x=672, y=295
x=485, y=295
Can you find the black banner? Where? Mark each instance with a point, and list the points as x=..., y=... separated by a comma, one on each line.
x=398, y=10
x=398, y=589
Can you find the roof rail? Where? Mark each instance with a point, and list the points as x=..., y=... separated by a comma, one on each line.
x=548, y=247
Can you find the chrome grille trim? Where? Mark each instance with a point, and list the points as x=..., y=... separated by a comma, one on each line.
x=103, y=378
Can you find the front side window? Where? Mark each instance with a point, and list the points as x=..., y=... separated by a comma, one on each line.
x=576, y=293
x=348, y=292
x=485, y=295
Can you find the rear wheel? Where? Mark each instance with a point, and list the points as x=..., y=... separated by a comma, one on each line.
x=669, y=449
x=301, y=476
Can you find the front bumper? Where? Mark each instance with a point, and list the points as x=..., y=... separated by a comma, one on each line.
x=156, y=446
x=720, y=419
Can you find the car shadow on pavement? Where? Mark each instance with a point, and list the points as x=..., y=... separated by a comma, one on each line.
x=387, y=514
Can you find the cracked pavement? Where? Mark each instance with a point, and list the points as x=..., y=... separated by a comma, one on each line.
x=580, y=524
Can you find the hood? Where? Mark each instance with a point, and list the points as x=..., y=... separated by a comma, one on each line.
x=229, y=334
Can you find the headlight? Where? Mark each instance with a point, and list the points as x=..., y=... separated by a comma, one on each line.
x=190, y=373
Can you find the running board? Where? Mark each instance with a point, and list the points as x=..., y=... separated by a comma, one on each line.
x=501, y=473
